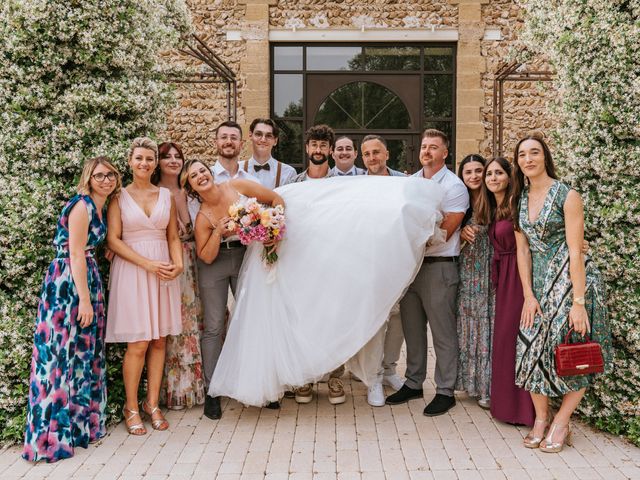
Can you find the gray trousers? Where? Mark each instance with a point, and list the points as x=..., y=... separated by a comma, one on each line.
x=392, y=341
x=432, y=298
x=214, y=281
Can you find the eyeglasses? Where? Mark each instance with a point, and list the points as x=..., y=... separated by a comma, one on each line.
x=266, y=135
x=101, y=177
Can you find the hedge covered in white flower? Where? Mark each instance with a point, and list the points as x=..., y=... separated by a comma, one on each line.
x=78, y=78
x=594, y=46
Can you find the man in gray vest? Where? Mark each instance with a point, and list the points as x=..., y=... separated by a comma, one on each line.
x=432, y=295
x=264, y=133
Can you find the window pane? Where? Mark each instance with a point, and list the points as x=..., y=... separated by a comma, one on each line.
x=363, y=105
x=438, y=96
x=287, y=95
x=289, y=147
x=439, y=59
x=287, y=58
x=399, y=155
x=334, y=58
x=392, y=58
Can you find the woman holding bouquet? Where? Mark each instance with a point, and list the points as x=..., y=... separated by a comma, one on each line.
x=219, y=252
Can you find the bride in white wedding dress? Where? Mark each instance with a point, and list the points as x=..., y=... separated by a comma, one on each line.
x=352, y=247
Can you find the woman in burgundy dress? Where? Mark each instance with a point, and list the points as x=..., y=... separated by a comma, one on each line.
x=509, y=403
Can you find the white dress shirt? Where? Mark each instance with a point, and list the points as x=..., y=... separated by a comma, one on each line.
x=220, y=175
x=456, y=200
x=268, y=177
x=351, y=173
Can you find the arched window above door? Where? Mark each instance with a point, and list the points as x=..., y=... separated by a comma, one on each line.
x=363, y=105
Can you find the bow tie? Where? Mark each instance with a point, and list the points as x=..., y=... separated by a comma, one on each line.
x=340, y=174
x=257, y=167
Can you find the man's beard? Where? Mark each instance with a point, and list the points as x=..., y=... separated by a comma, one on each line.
x=325, y=158
x=228, y=156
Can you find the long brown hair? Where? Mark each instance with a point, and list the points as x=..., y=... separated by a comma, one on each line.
x=487, y=210
x=519, y=177
x=163, y=152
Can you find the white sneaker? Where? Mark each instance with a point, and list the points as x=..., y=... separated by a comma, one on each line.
x=394, y=381
x=375, y=395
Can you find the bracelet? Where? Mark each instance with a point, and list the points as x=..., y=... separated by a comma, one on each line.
x=579, y=301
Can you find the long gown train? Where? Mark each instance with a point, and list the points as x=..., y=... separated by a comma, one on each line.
x=351, y=249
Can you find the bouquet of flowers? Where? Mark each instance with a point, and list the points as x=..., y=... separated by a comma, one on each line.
x=253, y=221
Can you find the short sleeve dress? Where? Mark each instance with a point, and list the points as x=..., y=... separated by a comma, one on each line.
x=141, y=306
x=535, y=361
x=67, y=387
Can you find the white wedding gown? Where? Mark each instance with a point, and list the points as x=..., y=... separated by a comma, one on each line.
x=351, y=248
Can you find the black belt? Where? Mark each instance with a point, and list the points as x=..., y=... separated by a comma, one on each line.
x=440, y=259
x=231, y=244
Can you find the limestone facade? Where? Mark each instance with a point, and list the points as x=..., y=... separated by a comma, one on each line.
x=201, y=106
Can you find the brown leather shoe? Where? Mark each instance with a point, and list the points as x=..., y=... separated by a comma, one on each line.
x=336, y=391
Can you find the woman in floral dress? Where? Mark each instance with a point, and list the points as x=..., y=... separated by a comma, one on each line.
x=67, y=389
x=183, y=383
x=475, y=296
x=562, y=290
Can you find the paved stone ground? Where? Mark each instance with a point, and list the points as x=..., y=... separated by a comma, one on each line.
x=348, y=441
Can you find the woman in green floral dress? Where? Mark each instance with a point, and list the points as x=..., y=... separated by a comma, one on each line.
x=562, y=290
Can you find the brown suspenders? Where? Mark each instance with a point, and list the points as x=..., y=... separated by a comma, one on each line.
x=278, y=171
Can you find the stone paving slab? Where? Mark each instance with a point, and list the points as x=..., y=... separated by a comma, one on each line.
x=352, y=441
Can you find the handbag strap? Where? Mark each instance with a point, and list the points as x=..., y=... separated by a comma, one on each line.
x=566, y=337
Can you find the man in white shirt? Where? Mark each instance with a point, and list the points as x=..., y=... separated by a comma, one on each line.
x=378, y=358
x=432, y=295
x=271, y=173
x=344, y=155
x=215, y=279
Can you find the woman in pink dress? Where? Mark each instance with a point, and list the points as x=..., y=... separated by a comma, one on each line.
x=144, y=302
x=509, y=403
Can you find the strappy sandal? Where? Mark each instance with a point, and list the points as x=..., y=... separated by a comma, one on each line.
x=136, y=428
x=157, y=423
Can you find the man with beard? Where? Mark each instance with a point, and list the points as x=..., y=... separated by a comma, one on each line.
x=215, y=279
x=344, y=154
x=229, y=145
x=432, y=295
x=318, y=146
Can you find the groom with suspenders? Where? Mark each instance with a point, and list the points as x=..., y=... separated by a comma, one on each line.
x=263, y=133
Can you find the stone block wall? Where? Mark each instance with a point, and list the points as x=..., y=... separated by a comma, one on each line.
x=202, y=106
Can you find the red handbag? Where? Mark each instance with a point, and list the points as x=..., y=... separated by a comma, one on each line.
x=578, y=358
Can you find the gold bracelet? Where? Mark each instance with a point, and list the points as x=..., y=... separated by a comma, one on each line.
x=579, y=301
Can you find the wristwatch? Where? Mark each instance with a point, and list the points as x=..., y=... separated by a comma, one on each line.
x=578, y=300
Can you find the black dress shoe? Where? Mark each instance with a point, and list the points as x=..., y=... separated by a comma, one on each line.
x=439, y=405
x=272, y=405
x=212, y=407
x=403, y=395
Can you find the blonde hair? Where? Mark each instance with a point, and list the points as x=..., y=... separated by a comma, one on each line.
x=84, y=184
x=143, y=142
x=184, y=177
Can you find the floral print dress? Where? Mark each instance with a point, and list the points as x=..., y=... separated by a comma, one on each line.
x=183, y=383
x=67, y=389
x=474, y=316
x=535, y=358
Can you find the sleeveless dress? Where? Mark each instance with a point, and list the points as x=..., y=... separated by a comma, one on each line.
x=141, y=306
x=509, y=403
x=67, y=388
x=353, y=245
x=535, y=361
x=474, y=317
x=183, y=382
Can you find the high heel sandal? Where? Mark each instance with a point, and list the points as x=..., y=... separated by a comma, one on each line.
x=534, y=442
x=158, y=423
x=136, y=428
x=549, y=446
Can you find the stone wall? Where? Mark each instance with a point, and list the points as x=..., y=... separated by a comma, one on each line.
x=202, y=106
x=526, y=104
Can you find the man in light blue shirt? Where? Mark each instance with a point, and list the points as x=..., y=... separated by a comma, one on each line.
x=344, y=156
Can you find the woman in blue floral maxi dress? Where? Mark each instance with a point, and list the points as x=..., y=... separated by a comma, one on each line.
x=67, y=388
